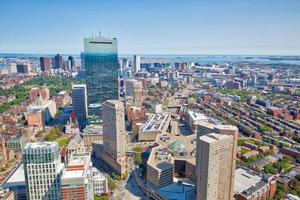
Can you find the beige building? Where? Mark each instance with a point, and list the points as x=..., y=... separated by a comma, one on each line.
x=114, y=135
x=214, y=154
x=204, y=128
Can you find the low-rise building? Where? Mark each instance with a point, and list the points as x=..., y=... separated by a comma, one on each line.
x=249, y=185
x=192, y=118
x=77, y=178
x=100, y=183
x=157, y=124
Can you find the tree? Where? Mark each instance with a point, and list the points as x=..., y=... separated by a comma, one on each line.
x=269, y=169
x=111, y=184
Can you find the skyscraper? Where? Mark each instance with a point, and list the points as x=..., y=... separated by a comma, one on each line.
x=45, y=63
x=136, y=63
x=215, y=163
x=43, y=171
x=101, y=65
x=204, y=128
x=79, y=102
x=71, y=63
x=58, y=62
x=114, y=137
x=23, y=68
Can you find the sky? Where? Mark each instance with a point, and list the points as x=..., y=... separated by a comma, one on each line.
x=201, y=27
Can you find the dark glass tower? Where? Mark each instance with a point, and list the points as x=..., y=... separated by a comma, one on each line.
x=100, y=59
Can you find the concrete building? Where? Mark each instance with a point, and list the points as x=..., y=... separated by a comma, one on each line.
x=12, y=68
x=136, y=63
x=156, y=124
x=43, y=170
x=171, y=168
x=93, y=133
x=192, y=119
x=249, y=185
x=77, y=178
x=47, y=106
x=114, y=133
x=114, y=136
x=214, y=154
x=100, y=183
x=79, y=102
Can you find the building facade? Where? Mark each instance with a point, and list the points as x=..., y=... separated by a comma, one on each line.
x=43, y=171
x=100, y=59
x=79, y=102
x=214, y=176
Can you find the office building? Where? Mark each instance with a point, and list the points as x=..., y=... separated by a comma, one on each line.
x=215, y=157
x=58, y=62
x=77, y=178
x=134, y=90
x=23, y=68
x=114, y=133
x=45, y=63
x=136, y=63
x=100, y=59
x=71, y=63
x=112, y=152
x=43, y=170
x=79, y=102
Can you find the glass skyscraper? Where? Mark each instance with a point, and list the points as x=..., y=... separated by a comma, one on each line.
x=100, y=59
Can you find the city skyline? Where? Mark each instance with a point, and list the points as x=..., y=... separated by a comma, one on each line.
x=231, y=28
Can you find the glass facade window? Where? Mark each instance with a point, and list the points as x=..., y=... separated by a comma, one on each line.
x=100, y=59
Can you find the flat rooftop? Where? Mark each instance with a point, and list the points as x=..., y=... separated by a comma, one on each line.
x=197, y=116
x=245, y=179
x=177, y=191
x=167, y=144
x=213, y=137
x=158, y=122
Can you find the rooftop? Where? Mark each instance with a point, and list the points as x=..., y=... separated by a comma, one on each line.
x=158, y=122
x=245, y=179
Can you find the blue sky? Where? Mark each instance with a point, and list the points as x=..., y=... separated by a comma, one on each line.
x=153, y=26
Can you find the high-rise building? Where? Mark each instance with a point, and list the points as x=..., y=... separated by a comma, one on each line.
x=100, y=59
x=58, y=62
x=114, y=133
x=12, y=68
x=71, y=63
x=79, y=102
x=23, y=68
x=204, y=128
x=77, y=178
x=45, y=63
x=136, y=63
x=43, y=171
x=215, y=163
